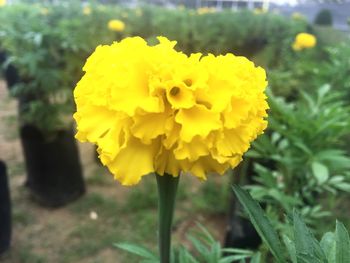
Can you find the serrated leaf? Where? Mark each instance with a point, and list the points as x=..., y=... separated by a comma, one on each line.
x=305, y=243
x=307, y=258
x=186, y=257
x=261, y=223
x=137, y=250
x=328, y=245
x=291, y=248
x=256, y=258
x=342, y=241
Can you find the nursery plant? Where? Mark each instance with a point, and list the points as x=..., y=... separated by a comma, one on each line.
x=299, y=245
x=302, y=158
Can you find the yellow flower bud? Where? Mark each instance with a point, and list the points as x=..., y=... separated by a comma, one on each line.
x=116, y=25
x=304, y=41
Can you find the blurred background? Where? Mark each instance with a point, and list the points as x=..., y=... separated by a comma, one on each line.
x=58, y=204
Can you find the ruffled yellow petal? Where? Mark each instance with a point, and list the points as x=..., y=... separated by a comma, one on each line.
x=99, y=122
x=192, y=150
x=197, y=121
x=149, y=126
x=114, y=140
x=134, y=161
x=236, y=113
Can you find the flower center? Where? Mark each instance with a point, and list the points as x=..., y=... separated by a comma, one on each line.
x=188, y=82
x=174, y=91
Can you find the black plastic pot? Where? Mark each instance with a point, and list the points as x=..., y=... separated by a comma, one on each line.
x=10, y=72
x=240, y=231
x=5, y=211
x=54, y=174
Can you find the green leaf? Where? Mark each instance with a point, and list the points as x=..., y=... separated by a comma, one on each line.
x=261, y=223
x=342, y=241
x=343, y=186
x=306, y=245
x=328, y=245
x=232, y=258
x=185, y=256
x=291, y=248
x=256, y=258
x=137, y=250
x=307, y=258
x=320, y=172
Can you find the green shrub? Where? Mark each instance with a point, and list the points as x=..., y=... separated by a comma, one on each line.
x=299, y=244
x=302, y=156
x=324, y=18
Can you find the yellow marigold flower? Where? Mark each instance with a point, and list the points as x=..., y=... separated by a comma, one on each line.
x=44, y=11
x=304, y=41
x=153, y=109
x=3, y=2
x=297, y=16
x=258, y=11
x=87, y=10
x=206, y=10
x=116, y=25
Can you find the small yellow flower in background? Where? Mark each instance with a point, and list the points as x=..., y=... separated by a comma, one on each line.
x=304, y=41
x=87, y=10
x=116, y=25
x=298, y=16
x=181, y=7
x=153, y=109
x=138, y=12
x=44, y=11
x=206, y=10
x=258, y=11
x=2, y=2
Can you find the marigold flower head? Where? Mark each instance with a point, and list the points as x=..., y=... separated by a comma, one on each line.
x=258, y=11
x=206, y=10
x=116, y=25
x=87, y=10
x=304, y=41
x=44, y=11
x=298, y=16
x=153, y=109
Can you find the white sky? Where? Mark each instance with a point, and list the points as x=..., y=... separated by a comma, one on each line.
x=291, y=2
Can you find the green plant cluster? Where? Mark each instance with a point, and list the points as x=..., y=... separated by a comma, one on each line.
x=299, y=244
x=303, y=160
x=206, y=249
x=48, y=46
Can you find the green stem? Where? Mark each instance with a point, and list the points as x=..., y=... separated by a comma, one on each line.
x=167, y=186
